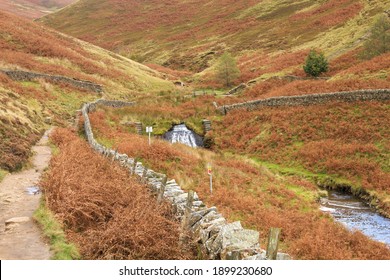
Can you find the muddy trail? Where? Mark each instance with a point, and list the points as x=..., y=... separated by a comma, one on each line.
x=20, y=236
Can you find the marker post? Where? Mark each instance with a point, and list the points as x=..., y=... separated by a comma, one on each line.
x=209, y=171
x=149, y=130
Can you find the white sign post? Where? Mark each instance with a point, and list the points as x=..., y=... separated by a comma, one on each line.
x=149, y=130
x=209, y=171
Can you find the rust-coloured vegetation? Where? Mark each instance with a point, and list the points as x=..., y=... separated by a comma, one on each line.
x=330, y=13
x=245, y=191
x=105, y=212
x=345, y=140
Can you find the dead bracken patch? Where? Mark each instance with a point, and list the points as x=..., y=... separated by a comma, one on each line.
x=105, y=212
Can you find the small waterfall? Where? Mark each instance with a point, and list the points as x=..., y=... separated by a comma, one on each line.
x=181, y=134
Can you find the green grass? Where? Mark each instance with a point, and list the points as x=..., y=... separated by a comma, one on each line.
x=61, y=248
x=302, y=192
x=109, y=143
x=323, y=181
x=317, y=178
x=3, y=173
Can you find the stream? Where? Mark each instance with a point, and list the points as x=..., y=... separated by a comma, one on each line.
x=345, y=208
x=181, y=134
x=355, y=214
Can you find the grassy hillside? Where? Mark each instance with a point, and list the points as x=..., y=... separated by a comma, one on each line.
x=26, y=104
x=33, y=9
x=192, y=34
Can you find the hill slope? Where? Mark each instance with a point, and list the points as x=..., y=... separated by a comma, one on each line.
x=33, y=8
x=191, y=34
x=25, y=104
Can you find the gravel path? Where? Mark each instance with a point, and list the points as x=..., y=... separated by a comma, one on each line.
x=20, y=236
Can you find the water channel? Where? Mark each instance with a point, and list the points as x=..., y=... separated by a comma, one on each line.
x=181, y=134
x=355, y=214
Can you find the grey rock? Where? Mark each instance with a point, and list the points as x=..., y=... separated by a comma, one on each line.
x=172, y=193
x=283, y=257
x=239, y=254
x=211, y=216
x=257, y=257
x=211, y=229
x=197, y=216
x=239, y=240
x=17, y=220
x=14, y=222
x=222, y=240
x=180, y=198
x=170, y=182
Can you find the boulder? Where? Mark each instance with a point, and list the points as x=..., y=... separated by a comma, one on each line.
x=14, y=222
x=232, y=237
x=211, y=229
x=195, y=217
x=283, y=257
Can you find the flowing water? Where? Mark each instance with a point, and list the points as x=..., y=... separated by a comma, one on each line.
x=355, y=214
x=181, y=134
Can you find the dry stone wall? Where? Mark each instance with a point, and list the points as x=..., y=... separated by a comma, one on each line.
x=18, y=75
x=310, y=99
x=217, y=238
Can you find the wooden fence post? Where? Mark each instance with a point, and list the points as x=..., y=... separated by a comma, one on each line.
x=134, y=167
x=113, y=158
x=273, y=243
x=184, y=223
x=187, y=210
x=160, y=194
x=144, y=178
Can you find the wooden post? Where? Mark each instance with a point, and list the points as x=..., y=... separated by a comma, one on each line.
x=273, y=243
x=113, y=158
x=160, y=194
x=144, y=178
x=134, y=167
x=184, y=223
x=187, y=211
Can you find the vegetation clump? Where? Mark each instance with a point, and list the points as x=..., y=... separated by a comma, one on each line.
x=227, y=70
x=315, y=64
x=379, y=41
